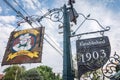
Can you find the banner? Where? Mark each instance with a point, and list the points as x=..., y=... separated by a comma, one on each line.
x=92, y=53
x=24, y=46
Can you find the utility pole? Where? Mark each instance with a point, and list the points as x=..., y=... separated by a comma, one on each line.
x=67, y=65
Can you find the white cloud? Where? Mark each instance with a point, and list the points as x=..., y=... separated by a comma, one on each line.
x=7, y=19
x=29, y=4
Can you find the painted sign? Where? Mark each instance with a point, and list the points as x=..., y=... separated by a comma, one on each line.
x=24, y=46
x=92, y=53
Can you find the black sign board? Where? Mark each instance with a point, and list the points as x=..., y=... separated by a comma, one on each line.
x=92, y=53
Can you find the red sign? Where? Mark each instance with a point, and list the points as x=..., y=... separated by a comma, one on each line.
x=24, y=46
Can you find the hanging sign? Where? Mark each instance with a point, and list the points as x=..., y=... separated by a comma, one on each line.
x=24, y=46
x=92, y=53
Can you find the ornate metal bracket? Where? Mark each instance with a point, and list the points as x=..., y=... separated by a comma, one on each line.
x=110, y=69
x=54, y=15
x=85, y=19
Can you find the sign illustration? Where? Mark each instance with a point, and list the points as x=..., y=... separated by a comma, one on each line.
x=24, y=46
x=92, y=53
x=24, y=43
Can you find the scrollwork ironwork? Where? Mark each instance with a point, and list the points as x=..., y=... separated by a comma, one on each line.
x=55, y=15
x=107, y=71
x=110, y=69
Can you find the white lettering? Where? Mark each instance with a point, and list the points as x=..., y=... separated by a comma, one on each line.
x=82, y=43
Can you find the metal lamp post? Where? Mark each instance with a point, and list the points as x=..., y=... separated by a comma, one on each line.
x=67, y=65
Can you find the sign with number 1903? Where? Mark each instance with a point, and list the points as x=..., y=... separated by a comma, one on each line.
x=92, y=53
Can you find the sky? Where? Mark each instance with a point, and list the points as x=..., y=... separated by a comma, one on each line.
x=107, y=12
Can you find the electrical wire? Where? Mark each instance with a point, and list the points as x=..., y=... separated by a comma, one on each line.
x=18, y=12
x=37, y=6
x=23, y=10
x=10, y=6
x=53, y=46
x=20, y=7
x=39, y=9
x=53, y=41
x=45, y=33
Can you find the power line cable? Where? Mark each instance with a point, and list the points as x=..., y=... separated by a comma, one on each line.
x=39, y=9
x=37, y=6
x=20, y=7
x=24, y=10
x=53, y=41
x=53, y=46
x=19, y=13
x=10, y=6
x=46, y=34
